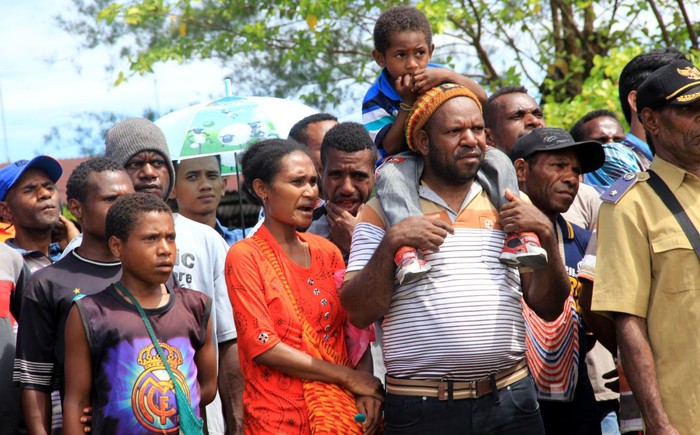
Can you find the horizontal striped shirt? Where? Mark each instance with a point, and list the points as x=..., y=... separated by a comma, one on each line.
x=463, y=320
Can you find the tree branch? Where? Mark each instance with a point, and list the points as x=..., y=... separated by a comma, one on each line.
x=616, y=4
x=570, y=26
x=556, y=29
x=660, y=20
x=518, y=56
x=489, y=70
x=691, y=30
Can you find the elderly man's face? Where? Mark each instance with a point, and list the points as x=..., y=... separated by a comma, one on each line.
x=515, y=115
x=348, y=178
x=676, y=133
x=32, y=203
x=149, y=173
x=456, y=141
x=550, y=179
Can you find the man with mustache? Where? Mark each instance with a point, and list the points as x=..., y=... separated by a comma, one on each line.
x=646, y=273
x=29, y=201
x=49, y=294
x=548, y=163
x=511, y=113
x=454, y=340
x=348, y=158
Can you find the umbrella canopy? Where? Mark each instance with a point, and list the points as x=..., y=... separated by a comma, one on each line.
x=228, y=126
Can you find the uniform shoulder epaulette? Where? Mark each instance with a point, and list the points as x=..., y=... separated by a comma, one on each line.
x=622, y=185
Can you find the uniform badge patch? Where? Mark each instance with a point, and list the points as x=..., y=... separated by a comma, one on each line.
x=618, y=189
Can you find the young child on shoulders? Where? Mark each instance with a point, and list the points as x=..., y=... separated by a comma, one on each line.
x=112, y=364
x=403, y=48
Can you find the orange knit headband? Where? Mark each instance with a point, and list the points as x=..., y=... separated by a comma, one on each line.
x=429, y=102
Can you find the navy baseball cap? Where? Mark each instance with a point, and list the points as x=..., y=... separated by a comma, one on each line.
x=11, y=173
x=676, y=84
x=590, y=153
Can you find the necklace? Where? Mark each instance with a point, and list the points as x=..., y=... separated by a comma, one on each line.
x=307, y=260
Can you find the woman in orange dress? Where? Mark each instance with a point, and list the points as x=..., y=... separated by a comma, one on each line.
x=287, y=309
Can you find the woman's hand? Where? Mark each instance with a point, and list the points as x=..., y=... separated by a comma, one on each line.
x=364, y=384
x=371, y=407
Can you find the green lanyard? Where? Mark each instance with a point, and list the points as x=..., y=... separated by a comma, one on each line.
x=190, y=424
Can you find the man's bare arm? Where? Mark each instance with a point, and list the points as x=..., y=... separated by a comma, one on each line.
x=603, y=328
x=37, y=411
x=638, y=363
x=367, y=295
x=545, y=290
x=231, y=385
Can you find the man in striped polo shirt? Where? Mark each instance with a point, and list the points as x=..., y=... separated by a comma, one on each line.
x=454, y=341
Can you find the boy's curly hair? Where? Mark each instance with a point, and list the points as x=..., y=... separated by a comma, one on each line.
x=127, y=211
x=400, y=19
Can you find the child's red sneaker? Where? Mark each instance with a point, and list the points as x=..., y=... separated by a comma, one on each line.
x=523, y=250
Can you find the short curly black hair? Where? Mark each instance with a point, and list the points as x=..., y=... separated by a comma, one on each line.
x=127, y=210
x=348, y=137
x=400, y=19
x=262, y=160
x=638, y=69
x=577, y=130
x=77, y=186
x=299, y=133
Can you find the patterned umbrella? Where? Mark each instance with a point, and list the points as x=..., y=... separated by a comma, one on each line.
x=228, y=126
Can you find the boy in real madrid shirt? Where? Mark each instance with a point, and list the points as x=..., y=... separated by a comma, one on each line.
x=111, y=360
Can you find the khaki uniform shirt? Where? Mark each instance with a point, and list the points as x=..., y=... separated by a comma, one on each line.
x=647, y=267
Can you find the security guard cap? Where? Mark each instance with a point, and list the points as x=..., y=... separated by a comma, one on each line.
x=677, y=83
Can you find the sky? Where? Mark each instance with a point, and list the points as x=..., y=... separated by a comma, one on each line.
x=46, y=78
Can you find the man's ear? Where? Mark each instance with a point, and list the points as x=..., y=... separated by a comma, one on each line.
x=650, y=120
x=115, y=245
x=632, y=100
x=5, y=212
x=173, y=193
x=489, y=138
x=430, y=50
x=379, y=58
x=521, y=170
x=76, y=208
x=421, y=142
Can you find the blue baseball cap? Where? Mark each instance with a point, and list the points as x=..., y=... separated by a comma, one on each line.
x=12, y=172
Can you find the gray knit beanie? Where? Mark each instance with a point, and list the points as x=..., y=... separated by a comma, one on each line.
x=132, y=136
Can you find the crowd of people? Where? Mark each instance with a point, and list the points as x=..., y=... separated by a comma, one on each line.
x=492, y=275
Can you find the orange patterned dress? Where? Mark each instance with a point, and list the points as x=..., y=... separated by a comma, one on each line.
x=274, y=402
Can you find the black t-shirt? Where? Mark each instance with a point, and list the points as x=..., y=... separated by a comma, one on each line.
x=47, y=300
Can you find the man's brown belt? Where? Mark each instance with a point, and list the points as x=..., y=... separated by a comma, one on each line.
x=460, y=389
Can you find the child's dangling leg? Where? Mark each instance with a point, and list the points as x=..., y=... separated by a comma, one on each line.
x=495, y=175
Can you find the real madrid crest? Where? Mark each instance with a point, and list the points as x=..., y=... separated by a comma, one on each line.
x=153, y=396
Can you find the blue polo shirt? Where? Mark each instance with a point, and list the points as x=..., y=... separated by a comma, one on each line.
x=381, y=106
x=231, y=235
